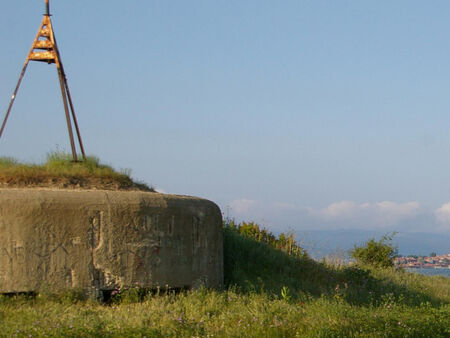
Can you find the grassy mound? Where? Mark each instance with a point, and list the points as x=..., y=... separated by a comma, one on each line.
x=273, y=289
x=254, y=265
x=59, y=171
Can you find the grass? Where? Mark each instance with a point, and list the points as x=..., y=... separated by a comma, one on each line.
x=273, y=289
x=59, y=171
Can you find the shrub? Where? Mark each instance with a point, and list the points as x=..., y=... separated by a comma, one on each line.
x=379, y=254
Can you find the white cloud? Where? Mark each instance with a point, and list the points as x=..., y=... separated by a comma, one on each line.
x=443, y=217
x=380, y=214
x=391, y=213
x=344, y=209
x=242, y=206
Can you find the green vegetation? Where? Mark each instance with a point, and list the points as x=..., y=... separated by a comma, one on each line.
x=59, y=171
x=379, y=254
x=273, y=289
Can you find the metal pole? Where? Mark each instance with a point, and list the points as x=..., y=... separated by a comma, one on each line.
x=62, y=84
x=75, y=119
x=13, y=97
x=66, y=109
x=66, y=86
x=47, y=8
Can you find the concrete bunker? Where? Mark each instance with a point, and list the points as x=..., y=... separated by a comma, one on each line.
x=103, y=240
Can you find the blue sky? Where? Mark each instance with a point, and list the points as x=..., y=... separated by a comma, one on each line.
x=295, y=114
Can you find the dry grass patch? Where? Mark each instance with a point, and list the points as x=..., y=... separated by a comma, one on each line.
x=59, y=171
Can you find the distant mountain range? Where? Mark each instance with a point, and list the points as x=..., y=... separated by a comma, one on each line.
x=320, y=243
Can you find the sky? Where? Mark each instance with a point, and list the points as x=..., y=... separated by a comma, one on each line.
x=297, y=114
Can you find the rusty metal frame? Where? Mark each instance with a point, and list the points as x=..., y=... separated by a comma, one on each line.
x=45, y=49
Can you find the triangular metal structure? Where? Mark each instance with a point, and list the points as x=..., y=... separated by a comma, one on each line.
x=45, y=49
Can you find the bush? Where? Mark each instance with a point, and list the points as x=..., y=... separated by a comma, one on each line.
x=379, y=254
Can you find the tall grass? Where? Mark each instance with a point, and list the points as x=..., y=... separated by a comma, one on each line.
x=254, y=266
x=59, y=170
x=273, y=289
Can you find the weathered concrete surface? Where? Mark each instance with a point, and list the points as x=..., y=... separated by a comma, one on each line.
x=103, y=240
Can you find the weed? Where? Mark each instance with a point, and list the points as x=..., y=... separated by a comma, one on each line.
x=285, y=294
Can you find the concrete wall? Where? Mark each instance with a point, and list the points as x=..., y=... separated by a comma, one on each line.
x=102, y=240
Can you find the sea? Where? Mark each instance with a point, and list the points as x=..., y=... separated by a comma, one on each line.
x=431, y=272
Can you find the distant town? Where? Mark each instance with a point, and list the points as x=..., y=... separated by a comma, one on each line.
x=432, y=262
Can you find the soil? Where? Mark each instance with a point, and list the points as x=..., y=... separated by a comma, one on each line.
x=78, y=183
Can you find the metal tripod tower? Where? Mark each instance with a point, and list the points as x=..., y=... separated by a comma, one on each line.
x=45, y=49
